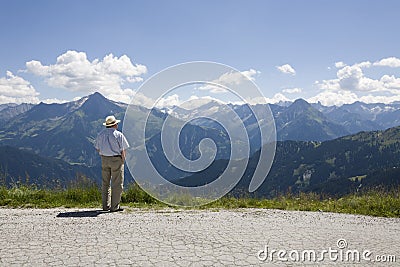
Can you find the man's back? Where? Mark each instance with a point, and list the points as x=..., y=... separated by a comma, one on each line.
x=111, y=142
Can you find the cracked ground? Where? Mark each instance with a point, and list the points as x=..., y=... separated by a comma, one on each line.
x=169, y=237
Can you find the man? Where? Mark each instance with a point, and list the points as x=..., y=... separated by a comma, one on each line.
x=111, y=145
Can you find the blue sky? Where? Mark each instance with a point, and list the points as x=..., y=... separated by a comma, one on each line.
x=330, y=51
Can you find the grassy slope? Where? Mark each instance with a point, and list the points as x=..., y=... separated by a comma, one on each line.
x=374, y=202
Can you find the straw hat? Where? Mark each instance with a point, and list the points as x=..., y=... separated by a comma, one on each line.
x=110, y=121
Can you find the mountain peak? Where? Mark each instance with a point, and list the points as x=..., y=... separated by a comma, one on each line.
x=97, y=95
x=95, y=99
x=301, y=102
x=96, y=105
x=299, y=106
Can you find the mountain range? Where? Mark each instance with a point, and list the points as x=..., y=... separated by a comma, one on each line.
x=302, y=121
x=67, y=132
x=9, y=111
x=61, y=137
x=18, y=166
x=334, y=167
x=62, y=131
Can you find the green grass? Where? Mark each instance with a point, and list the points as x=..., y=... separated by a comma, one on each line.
x=32, y=197
x=83, y=194
x=374, y=202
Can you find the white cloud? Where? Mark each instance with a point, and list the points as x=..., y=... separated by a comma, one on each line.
x=286, y=69
x=121, y=95
x=15, y=89
x=292, y=90
x=391, y=82
x=250, y=74
x=364, y=64
x=192, y=102
x=330, y=98
x=339, y=98
x=140, y=99
x=215, y=89
x=392, y=62
x=54, y=100
x=352, y=78
x=195, y=102
x=340, y=64
x=229, y=79
x=74, y=72
x=236, y=77
x=379, y=98
x=278, y=97
x=169, y=101
x=352, y=84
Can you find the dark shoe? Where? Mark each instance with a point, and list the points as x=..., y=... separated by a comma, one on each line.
x=106, y=209
x=119, y=209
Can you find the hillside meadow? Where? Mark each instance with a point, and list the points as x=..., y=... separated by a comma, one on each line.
x=85, y=194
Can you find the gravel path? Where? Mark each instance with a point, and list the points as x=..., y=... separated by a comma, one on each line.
x=245, y=237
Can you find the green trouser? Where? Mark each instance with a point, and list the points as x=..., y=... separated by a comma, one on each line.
x=112, y=170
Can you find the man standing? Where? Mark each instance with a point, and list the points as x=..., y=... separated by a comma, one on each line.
x=111, y=145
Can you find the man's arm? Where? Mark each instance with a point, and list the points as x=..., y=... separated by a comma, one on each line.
x=96, y=145
x=123, y=155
